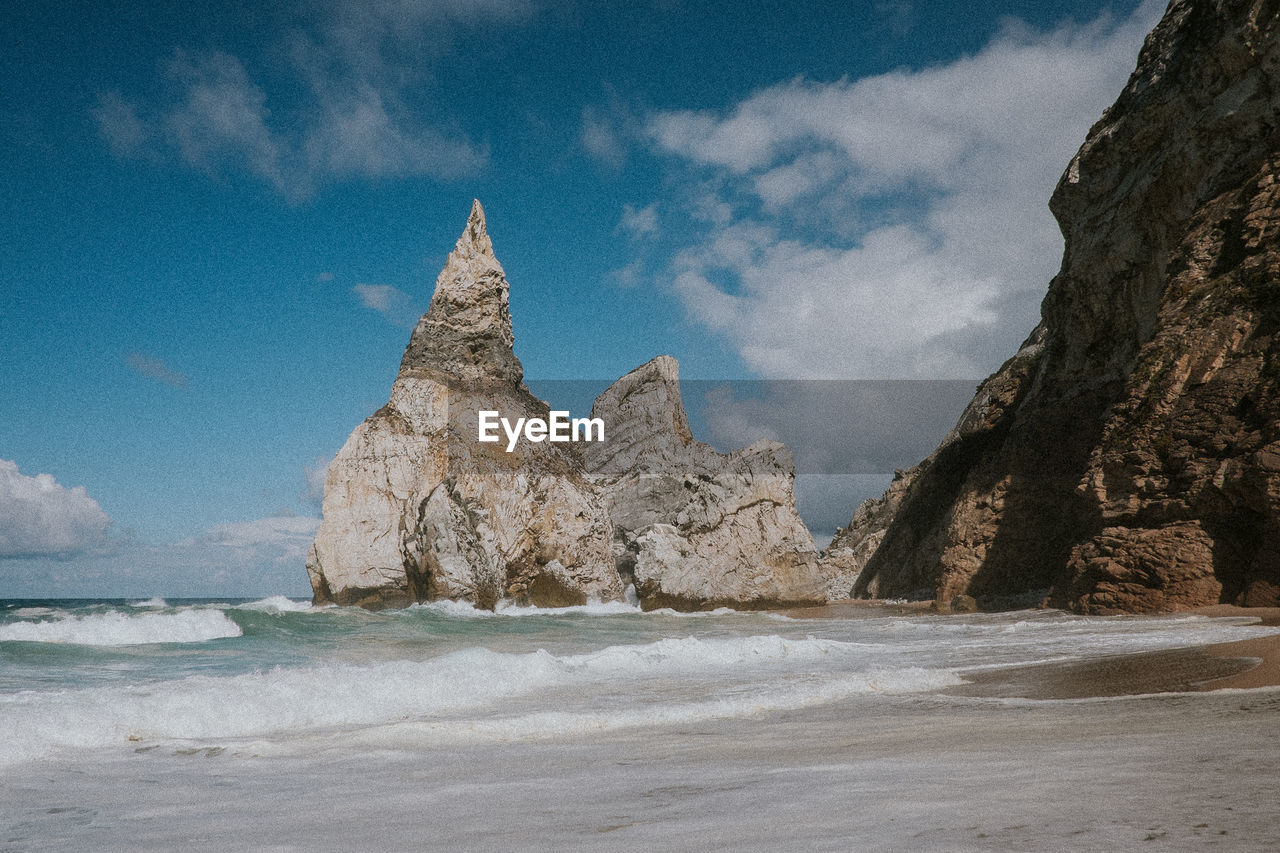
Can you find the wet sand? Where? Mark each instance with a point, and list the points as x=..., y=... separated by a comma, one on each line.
x=1244, y=664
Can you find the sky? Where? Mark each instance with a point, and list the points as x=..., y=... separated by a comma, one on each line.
x=221, y=221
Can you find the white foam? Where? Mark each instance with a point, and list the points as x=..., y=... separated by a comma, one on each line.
x=596, y=608
x=276, y=604
x=471, y=682
x=698, y=614
x=464, y=610
x=477, y=692
x=114, y=628
x=546, y=724
x=458, y=609
x=155, y=602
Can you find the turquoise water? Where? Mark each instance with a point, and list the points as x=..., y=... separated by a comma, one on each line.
x=283, y=703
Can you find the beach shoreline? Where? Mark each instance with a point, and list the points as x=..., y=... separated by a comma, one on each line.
x=1243, y=664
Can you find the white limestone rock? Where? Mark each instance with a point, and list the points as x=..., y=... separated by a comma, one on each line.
x=696, y=529
x=416, y=508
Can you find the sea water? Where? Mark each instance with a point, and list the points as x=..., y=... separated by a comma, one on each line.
x=275, y=725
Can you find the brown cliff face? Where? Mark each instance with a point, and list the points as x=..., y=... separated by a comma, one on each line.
x=1128, y=458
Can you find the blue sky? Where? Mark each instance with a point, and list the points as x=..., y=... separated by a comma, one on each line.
x=221, y=221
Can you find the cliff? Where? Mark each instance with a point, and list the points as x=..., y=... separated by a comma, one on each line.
x=1128, y=457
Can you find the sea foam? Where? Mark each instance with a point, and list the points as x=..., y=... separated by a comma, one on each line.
x=276, y=604
x=466, y=610
x=125, y=629
x=321, y=700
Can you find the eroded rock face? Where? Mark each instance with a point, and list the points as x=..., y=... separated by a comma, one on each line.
x=1129, y=458
x=696, y=529
x=416, y=508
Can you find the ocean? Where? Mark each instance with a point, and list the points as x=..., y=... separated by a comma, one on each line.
x=272, y=725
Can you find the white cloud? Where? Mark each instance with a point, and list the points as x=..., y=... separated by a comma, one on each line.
x=369, y=34
x=363, y=110
x=314, y=475
x=892, y=226
x=279, y=539
x=154, y=368
x=629, y=276
x=832, y=427
x=358, y=135
x=41, y=518
x=120, y=126
x=390, y=302
x=601, y=138
x=222, y=117
x=639, y=222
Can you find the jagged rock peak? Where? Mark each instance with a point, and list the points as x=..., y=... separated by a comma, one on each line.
x=644, y=419
x=476, y=235
x=466, y=333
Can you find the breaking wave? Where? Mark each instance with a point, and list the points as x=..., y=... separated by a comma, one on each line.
x=715, y=678
x=124, y=629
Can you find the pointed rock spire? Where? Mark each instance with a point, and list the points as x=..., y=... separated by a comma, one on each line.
x=466, y=332
x=475, y=237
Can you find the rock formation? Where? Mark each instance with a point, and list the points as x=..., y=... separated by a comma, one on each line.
x=416, y=508
x=1128, y=457
x=693, y=528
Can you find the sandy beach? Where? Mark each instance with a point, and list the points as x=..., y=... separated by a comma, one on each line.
x=1221, y=666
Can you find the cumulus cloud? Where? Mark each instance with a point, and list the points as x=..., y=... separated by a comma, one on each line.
x=154, y=368
x=832, y=427
x=358, y=104
x=390, y=302
x=896, y=225
x=41, y=518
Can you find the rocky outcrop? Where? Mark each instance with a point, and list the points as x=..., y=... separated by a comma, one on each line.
x=693, y=528
x=1128, y=458
x=843, y=560
x=416, y=508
